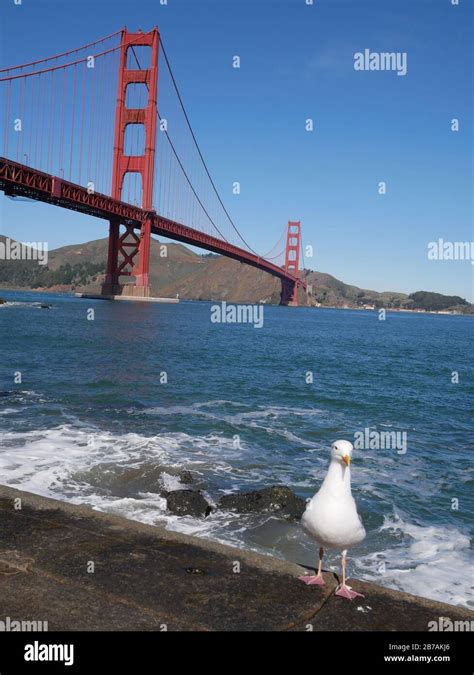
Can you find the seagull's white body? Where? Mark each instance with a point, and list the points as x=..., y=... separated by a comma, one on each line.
x=331, y=516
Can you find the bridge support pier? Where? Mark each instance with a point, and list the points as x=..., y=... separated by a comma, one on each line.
x=289, y=293
x=111, y=283
x=141, y=271
x=123, y=249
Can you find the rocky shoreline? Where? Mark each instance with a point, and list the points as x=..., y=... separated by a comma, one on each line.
x=186, y=495
x=191, y=501
x=277, y=499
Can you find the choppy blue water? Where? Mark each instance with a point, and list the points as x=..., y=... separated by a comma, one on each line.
x=91, y=404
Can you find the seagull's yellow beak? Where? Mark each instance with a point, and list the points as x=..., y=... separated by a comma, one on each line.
x=347, y=460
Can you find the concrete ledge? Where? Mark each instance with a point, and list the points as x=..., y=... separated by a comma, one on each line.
x=131, y=298
x=145, y=576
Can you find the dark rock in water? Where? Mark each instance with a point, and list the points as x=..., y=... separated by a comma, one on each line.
x=277, y=499
x=3, y=301
x=149, y=476
x=45, y=306
x=188, y=503
x=124, y=481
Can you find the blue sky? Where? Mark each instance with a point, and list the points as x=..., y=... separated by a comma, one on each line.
x=297, y=63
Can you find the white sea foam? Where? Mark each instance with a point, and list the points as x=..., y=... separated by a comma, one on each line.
x=247, y=419
x=25, y=305
x=433, y=562
x=149, y=509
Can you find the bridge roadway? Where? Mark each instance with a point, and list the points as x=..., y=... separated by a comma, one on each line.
x=20, y=180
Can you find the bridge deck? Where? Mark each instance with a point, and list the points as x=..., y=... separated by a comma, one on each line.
x=20, y=180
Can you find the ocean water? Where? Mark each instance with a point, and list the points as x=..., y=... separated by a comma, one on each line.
x=238, y=413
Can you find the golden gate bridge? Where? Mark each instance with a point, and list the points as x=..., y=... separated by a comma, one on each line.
x=102, y=129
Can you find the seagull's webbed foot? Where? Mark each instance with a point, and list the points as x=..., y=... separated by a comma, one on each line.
x=314, y=580
x=345, y=591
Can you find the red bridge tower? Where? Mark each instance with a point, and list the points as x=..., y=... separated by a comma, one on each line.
x=129, y=254
x=289, y=290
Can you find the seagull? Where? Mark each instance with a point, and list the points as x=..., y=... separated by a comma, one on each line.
x=331, y=516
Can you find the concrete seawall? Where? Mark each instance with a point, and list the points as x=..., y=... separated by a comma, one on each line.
x=80, y=569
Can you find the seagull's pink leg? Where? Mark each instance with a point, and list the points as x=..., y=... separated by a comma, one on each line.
x=345, y=591
x=318, y=579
